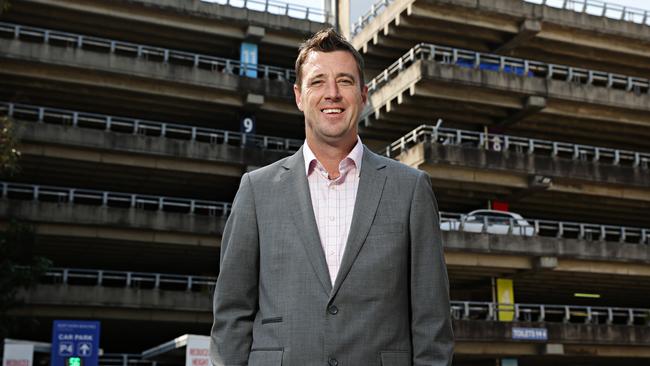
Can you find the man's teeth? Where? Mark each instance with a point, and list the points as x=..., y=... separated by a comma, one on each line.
x=332, y=110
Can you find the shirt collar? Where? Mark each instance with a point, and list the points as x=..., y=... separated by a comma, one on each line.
x=356, y=155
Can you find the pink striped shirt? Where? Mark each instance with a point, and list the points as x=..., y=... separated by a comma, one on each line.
x=333, y=201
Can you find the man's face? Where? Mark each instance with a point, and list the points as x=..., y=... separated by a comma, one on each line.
x=330, y=97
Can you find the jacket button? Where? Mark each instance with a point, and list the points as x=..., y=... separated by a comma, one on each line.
x=333, y=310
x=333, y=362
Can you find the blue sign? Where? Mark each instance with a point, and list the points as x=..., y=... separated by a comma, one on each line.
x=530, y=334
x=248, y=59
x=75, y=342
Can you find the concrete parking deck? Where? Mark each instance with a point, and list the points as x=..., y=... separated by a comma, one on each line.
x=465, y=175
x=426, y=90
x=135, y=86
x=198, y=26
x=509, y=27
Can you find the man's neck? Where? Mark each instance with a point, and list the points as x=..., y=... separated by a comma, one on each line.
x=330, y=156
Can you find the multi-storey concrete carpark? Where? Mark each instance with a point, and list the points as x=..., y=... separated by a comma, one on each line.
x=542, y=108
x=129, y=117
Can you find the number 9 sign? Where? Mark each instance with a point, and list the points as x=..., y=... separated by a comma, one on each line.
x=248, y=124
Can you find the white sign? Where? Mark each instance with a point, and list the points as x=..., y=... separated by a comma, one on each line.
x=532, y=334
x=18, y=354
x=197, y=352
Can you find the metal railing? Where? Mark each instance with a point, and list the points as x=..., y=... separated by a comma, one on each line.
x=24, y=112
x=592, y=7
x=600, y=8
x=474, y=310
x=150, y=53
x=548, y=228
x=449, y=221
x=460, y=310
x=124, y=359
x=521, y=145
x=62, y=195
x=141, y=280
x=375, y=9
x=279, y=8
x=527, y=68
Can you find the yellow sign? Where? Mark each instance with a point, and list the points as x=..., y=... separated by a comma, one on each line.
x=505, y=297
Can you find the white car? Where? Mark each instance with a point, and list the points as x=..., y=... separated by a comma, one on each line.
x=491, y=222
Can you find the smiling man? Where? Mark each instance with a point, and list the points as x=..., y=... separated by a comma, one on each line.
x=332, y=256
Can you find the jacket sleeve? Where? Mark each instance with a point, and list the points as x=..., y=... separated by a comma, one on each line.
x=431, y=331
x=236, y=291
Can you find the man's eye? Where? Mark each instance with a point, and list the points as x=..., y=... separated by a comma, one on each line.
x=346, y=81
x=316, y=82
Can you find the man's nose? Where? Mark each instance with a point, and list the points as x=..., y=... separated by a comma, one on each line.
x=332, y=91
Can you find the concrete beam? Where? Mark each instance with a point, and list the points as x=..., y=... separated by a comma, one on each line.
x=548, y=252
x=533, y=104
x=109, y=303
x=109, y=217
x=528, y=29
x=628, y=340
x=209, y=19
x=56, y=141
x=123, y=74
x=528, y=166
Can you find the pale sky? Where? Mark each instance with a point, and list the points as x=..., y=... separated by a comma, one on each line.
x=361, y=7
x=641, y=4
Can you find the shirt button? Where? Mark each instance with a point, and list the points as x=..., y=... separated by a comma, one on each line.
x=333, y=310
x=333, y=362
x=332, y=218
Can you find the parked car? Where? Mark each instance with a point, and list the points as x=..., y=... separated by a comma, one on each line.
x=498, y=222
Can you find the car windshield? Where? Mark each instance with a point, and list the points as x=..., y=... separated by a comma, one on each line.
x=491, y=219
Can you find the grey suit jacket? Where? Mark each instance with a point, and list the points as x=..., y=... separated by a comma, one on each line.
x=274, y=303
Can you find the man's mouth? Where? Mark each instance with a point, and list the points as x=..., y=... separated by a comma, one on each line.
x=332, y=110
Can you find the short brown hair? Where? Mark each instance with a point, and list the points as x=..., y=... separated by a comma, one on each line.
x=327, y=40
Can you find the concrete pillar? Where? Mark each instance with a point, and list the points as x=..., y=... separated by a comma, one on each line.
x=343, y=17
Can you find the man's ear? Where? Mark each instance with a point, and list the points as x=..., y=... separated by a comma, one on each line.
x=298, y=94
x=364, y=94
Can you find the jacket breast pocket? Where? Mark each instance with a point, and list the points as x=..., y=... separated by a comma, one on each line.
x=395, y=358
x=265, y=357
x=385, y=228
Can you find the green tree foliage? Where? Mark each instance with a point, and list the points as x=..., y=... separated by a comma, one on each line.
x=4, y=6
x=9, y=153
x=19, y=267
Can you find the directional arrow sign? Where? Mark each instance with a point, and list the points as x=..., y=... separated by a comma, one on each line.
x=76, y=341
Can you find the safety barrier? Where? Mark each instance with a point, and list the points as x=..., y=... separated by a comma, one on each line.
x=124, y=359
x=592, y=7
x=141, y=280
x=511, y=65
x=460, y=310
x=61, y=195
x=24, y=112
x=474, y=310
x=520, y=145
x=449, y=221
x=150, y=53
x=279, y=8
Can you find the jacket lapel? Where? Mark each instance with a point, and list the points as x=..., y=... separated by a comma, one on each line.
x=371, y=185
x=299, y=203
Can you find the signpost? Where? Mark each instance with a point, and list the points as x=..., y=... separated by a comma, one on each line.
x=248, y=59
x=75, y=343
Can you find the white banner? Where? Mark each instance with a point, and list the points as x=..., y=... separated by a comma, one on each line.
x=197, y=352
x=18, y=354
